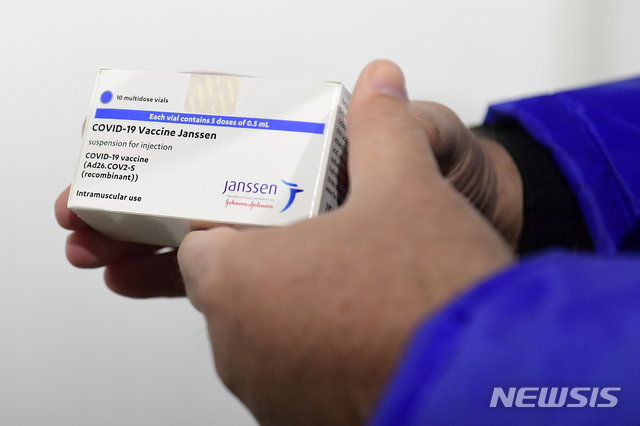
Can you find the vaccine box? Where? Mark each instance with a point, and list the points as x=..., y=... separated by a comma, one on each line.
x=166, y=153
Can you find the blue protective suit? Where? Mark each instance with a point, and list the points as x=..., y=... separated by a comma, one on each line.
x=555, y=320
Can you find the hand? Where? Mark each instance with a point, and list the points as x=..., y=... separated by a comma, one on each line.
x=481, y=169
x=307, y=321
x=134, y=270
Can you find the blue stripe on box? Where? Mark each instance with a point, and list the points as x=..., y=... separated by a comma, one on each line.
x=210, y=120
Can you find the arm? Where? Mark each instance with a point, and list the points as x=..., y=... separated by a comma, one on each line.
x=308, y=331
x=557, y=320
x=553, y=321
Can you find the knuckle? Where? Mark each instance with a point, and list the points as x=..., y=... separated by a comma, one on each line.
x=378, y=120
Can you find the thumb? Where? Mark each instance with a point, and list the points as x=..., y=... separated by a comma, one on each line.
x=387, y=144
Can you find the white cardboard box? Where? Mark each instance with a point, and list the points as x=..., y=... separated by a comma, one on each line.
x=166, y=153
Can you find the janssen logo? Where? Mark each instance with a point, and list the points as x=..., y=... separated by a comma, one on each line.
x=250, y=187
x=293, y=191
x=554, y=397
x=239, y=186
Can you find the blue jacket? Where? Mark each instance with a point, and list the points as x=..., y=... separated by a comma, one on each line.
x=558, y=328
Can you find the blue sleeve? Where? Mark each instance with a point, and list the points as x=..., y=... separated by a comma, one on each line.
x=545, y=328
x=557, y=329
x=594, y=137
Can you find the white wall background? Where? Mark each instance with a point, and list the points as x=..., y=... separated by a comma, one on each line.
x=72, y=353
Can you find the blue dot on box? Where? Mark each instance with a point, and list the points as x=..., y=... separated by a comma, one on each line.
x=106, y=97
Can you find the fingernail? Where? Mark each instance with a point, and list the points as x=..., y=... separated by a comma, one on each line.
x=386, y=77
